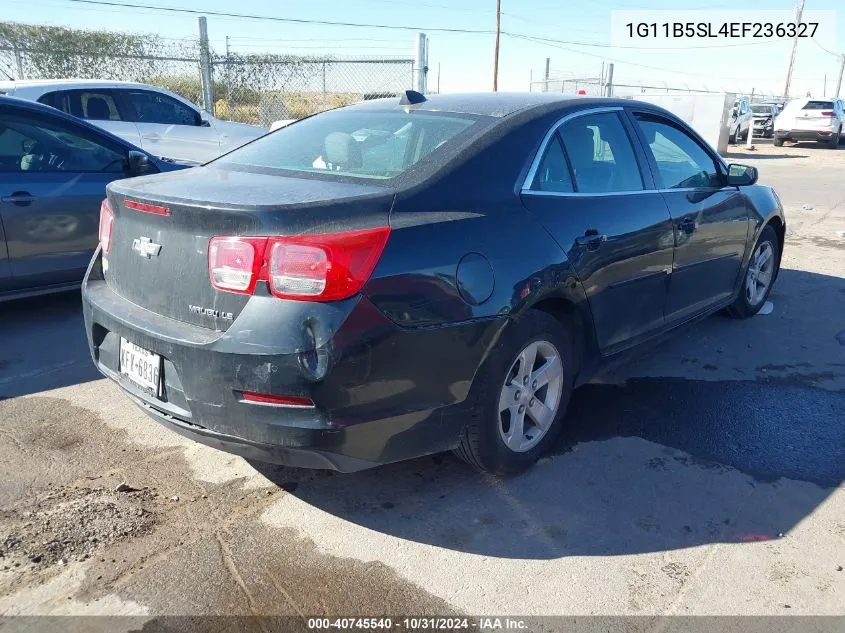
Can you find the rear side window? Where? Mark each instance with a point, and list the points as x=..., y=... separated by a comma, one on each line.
x=553, y=173
x=95, y=105
x=155, y=107
x=818, y=105
x=600, y=154
x=362, y=144
x=681, y=162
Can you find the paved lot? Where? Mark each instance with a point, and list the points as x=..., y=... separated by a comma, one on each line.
x=704, y=477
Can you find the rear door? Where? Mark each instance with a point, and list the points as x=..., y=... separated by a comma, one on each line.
x=169, y=127
x=98, y=106
x=711, y=219
x=592, y=194
x=53, y=178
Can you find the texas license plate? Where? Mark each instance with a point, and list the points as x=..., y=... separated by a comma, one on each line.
x=140, y=366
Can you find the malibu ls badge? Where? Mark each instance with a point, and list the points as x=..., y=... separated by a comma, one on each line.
x=145, y=247
x=217, y=314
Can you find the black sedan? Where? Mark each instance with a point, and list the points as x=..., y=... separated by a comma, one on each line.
x=408, y=276
x=54, y=169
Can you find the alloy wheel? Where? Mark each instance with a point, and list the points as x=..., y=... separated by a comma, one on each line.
x=530, y=397
x=760, y=273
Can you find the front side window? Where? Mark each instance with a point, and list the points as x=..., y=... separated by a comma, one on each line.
x=361, y=144
x=38, y=144
x=155, y=107
x=601, y=154
x=681, y=162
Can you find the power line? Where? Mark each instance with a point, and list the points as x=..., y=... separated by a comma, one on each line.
x=826, y=50
x=622, y=61
x=272, y=18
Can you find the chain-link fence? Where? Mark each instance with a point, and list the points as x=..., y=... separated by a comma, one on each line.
x=597, y=86
x=261, y=89
x=250, y=88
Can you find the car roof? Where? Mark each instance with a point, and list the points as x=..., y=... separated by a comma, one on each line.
x=34, y=106
x=493, y=104
x=26, y=83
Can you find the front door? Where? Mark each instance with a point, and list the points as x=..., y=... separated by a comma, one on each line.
x=711, y=219
x=591, y=194
x=53, y=180
x=170, y=128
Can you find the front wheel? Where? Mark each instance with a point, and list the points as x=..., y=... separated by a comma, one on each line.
x=519, y=396
x=759, y=277
x=778, y=142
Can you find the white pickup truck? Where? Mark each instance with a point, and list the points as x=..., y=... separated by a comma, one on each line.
x=159, y=121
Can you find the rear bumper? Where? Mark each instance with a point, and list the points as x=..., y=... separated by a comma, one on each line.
x=382, y=393
x=804, y=135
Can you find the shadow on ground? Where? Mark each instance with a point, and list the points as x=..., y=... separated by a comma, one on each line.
x=43, y=345
x=653, y=464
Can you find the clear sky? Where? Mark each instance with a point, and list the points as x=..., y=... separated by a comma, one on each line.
x=465, y=59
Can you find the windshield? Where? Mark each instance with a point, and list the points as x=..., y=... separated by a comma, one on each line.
x=761, y=109
x=362, y=144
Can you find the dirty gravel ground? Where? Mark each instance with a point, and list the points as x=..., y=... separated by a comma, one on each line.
x=703, y=477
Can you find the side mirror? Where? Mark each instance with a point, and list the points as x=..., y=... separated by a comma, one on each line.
x=735, y=112
x=741, y=175
x=138, y=164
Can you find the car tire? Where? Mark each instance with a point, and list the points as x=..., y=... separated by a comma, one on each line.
x=778, y=142
x=759, y=276
x=504, y=392
x=833, y=143
x=732, y=138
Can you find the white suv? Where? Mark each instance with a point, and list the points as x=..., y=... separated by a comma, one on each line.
x=160, y=121
x=821, y=120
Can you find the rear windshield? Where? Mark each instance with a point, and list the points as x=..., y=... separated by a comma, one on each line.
x=363, y=144
x=818, y=105
x=761, y=109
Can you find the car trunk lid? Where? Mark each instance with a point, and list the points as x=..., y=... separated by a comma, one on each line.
x=815, y=115
x=158, y=256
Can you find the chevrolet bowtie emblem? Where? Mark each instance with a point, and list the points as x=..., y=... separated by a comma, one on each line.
x=145, y=247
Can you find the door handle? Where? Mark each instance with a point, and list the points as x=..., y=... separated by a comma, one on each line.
x=687, y=225
x=591, y=239
x=19, y=198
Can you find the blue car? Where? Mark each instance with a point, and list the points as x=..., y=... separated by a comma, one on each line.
x=54, y=169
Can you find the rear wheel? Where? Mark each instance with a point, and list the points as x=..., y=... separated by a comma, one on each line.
x=833, y=143
x=519, y=396
x=778, y=142
x=732, y=137
x=759, y=277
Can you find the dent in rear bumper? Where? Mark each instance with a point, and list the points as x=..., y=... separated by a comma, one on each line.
x=384, y=394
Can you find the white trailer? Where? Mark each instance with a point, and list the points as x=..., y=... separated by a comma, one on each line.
x=707, y=114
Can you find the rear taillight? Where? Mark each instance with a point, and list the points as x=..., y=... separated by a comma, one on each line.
x=234, y=262
x=106, y=222
x=325, y=267
x=828, y=113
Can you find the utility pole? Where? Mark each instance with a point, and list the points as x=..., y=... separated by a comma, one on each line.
x=228, y=82
x=546, y=75
x=799, y=11
x=496, y=53
x=205, y=66
x=609, y=84
x=19, y=63
x=841, y=69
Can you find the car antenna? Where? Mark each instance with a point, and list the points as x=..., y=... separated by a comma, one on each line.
x=412, y=97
